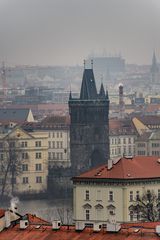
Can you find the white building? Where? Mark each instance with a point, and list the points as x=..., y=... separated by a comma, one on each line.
x=108, y=191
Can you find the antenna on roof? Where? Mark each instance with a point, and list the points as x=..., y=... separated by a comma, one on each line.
x=91, y=63
x=84, y=62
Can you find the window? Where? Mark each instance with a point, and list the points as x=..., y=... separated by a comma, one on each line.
x=49, y=144
x=137, y=195
x=119, y=141
x=61, y=134
x=23, y=144
x=131, y=196
x=54, y=155
x=24, y=167
x=61, y=156
x=53, y=135
x=111, y=196
x=1, y=156
x=124, y=141
x=38, y=167
x=58, y=156
x=129, y=140
x=24, y=155
x=131, y=215
x=87, y=194
x=57, y=144
x=38, y=143
x=53, y=144
x=87, y=214
x=99, y=195
x=39, y=179
x=38, y=155
x=49, y=155
x=61, y=144
x=25, y=180
x=57, y=134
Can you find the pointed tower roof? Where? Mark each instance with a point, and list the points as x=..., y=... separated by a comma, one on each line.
x=70, y=95
x=102, y=92
x=88, y=87
x=154, y=67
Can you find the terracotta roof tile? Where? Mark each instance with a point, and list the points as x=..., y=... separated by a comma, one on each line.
x=139, y=167
x=127, y=232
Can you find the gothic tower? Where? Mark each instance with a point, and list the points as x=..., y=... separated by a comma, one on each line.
x=89, y=129
x=154, y=70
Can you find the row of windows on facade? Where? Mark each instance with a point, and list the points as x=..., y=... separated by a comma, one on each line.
x=53, y=144
x=99, y=197
x=144, y=153
x=25, y=180
x=132, y=215
x=25, y=155
x=132, y=196
x=121, y=151
x=121, y=140
x=38, y=167
x=153, y=144
x=55, y=134
x=54, y=155
x=22, y=144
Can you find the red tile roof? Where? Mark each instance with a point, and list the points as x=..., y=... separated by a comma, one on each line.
x=33, y=219
x=143, y=231
x=139, y=167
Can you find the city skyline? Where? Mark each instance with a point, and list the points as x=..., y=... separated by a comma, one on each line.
x=62, y=32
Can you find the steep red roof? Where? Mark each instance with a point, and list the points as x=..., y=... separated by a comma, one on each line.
x=33, y=219
x=139, y=167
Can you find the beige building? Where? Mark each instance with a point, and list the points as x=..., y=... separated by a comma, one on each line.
x=110, y=191
x=57, y=128
x=27, y=153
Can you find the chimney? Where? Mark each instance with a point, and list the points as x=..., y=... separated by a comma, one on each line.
x=7, y=217
x=110, y=164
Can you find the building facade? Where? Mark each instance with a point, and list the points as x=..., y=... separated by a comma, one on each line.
x=24, y=158
x=89, y=130
x=108, y=191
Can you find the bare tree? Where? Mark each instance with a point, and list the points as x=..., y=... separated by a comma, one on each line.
x=10, y=164
x=147, y=207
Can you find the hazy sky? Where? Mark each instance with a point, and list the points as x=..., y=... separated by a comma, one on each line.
x=64, y=32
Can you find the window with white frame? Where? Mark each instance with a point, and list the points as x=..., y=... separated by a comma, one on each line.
x=38, y=167
x=24, y=167
x=25, y=180
x=38, y=155
x=87, y=195
x=38, y=179
x=111, y=198
x=87, y=214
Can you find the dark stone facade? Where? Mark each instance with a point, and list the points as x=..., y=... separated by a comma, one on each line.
x=89, y=129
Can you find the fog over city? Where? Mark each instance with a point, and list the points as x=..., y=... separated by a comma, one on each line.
x=63, y=32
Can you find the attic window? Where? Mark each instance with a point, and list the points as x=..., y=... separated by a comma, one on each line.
x=128, y=174
x=158, y=160
x=91, y=80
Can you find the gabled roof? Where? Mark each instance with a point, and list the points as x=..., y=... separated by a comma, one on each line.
x=88, y=87
x=13, y=115
x=139, y=167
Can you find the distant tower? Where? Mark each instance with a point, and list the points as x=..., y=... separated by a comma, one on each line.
x=154, y=70
x=89, y=130
x=121, y=101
